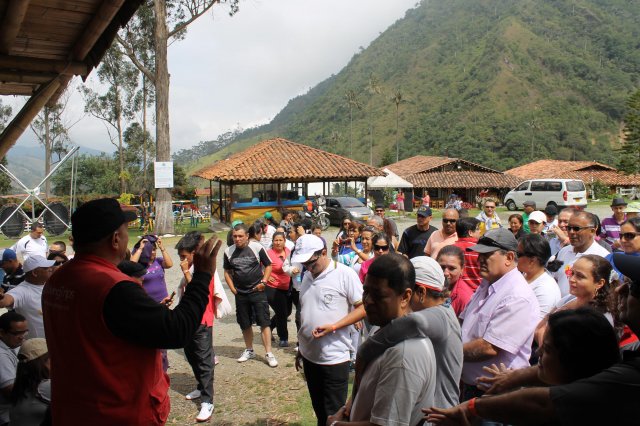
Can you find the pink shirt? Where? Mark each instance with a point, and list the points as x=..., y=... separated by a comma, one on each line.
x=282, y=279
x=504, y=314
x=436, y=241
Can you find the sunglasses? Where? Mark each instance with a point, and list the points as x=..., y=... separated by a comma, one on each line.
x=449, y=220
x=629, y=235
x=578, y=228
x=383, y=248
x=309, y=263
x=346, y=223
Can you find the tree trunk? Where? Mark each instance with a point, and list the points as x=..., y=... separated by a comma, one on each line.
x=47, y=152
x=120, y=148
x=144, y=132
x=164, y=216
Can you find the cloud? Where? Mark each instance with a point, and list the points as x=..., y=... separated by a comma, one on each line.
x=242, y=70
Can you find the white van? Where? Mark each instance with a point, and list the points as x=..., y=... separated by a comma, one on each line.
x=544, y=192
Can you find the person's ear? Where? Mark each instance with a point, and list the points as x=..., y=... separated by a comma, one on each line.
x=510, y=258
x=406, y=297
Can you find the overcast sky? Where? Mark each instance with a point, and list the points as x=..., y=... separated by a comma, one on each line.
x=242, y=70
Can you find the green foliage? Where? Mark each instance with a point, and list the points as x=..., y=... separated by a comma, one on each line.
x=125, y=198
x=630, y=151
x=486, y=81
x=5, y=181
x=600, y=189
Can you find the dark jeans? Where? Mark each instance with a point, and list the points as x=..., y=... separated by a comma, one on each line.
x=278, y=302
x=199, y=353
x=294, y=300
x=328, y=386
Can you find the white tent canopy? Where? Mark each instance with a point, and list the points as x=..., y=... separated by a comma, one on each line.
x=391, y=180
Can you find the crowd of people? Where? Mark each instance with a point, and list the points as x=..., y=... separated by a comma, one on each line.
x=479, y=320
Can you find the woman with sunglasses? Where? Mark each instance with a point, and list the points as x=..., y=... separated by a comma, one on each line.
x=380, y=245
x=629, y=239
x=278, y=287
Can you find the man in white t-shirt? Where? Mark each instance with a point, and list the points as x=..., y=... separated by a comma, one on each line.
x=13, y=329
x=330, y=300
x=582, y=232
x=26, y=298
x=34, y=244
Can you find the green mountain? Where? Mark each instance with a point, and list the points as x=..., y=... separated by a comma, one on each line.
x=488, y=81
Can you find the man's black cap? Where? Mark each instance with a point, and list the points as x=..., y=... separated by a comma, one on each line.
x=96, y=219
x=133, y=269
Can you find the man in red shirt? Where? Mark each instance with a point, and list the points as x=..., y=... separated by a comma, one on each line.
x=103, y=330
x=468, y=230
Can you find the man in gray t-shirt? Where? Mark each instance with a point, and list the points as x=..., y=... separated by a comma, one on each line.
x=432, y=318
x=13, y=329
x=398, y=384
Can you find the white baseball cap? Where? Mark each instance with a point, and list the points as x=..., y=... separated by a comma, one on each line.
x=538, y=216
x=306, y=245
x=35, y=262
x=428, y=273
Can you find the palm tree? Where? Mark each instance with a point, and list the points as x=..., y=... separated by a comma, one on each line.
x=352, y=102
x=374, y=88
x=335, y=138
x=398, y=99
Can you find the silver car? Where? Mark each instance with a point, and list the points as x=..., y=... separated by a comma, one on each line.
x=341, y=207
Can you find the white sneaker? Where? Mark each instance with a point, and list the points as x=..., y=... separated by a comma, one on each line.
x=206, y=409
x=271, y=360
x=193, y=395
x=247, y=355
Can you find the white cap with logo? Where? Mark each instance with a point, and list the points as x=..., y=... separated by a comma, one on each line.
x=306, y=245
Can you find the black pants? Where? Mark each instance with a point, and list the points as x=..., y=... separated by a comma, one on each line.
x=328, y=386
x=294, y=300
x=199, y=353
x=278, y=301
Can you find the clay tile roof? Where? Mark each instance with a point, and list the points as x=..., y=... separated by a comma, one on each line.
x=424, y=163
x=282, y=160
x=463, y=179
x=586, y=171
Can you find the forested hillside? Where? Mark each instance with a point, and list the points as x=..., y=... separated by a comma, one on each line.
x=483, y=80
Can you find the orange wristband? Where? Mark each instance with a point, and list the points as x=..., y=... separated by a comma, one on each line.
x=472, y=407
x=333, y=328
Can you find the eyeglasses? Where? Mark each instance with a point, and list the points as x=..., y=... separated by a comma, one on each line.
x=577, y=228
x=309, y=263
x=449, y=220
x=383, y=248
x=629, y=235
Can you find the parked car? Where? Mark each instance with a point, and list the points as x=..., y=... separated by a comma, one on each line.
x=544, y=192
x=341, y=207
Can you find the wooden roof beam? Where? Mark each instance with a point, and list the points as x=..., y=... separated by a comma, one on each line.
x=28, y=112
x=11, y=23
x=101, y=20
x=20, y=63
x=25, y=77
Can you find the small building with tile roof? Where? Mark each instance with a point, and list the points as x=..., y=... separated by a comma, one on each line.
x=273, y=176
x=443, y=176
x=587, y=171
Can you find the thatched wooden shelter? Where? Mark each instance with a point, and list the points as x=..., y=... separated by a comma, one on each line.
x=45, y=43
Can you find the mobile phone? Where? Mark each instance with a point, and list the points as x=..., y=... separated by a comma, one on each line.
x=173, y=294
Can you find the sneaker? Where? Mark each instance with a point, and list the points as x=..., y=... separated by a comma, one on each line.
x=283, y=344
x=216, y=361
x=271, y=360
x=206, y=409
x=193, y=395
x=247, y=355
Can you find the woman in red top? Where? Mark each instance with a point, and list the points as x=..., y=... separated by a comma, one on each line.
x=278, y=286
x=451, y=259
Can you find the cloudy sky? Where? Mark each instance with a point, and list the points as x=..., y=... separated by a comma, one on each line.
x=242, y=70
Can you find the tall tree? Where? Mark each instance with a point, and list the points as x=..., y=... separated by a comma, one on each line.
x=374, y=88
x=398, y=99
x=51, y=127
x=5, y=181
x=115, y=106
x=629, y=152
x=352, y=101
x=178, y=14
x=135, y=139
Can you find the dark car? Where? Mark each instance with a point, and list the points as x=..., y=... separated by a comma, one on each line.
x=341, y=207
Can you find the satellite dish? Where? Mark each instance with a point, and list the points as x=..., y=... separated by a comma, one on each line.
x=14, y=226
x=52, y=224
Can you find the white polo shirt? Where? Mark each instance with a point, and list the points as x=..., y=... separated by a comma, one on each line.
x=569, y=257
x=27, y=301
x=325, y=300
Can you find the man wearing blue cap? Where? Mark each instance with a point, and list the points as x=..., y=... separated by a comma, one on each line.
x=12, y=268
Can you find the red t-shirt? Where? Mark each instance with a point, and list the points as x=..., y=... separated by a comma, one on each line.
x=471, y=272
x=282, y=279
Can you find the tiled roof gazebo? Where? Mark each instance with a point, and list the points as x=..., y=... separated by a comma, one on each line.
x=274, y=174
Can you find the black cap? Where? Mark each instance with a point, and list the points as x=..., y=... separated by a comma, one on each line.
x=551, y=210
x=96, y=219
x=424, y=211
x=628, y=265
x=530, y=204
x=618, y=202
x=133, y=269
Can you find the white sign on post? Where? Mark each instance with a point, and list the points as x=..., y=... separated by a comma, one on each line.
x=163, y=174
